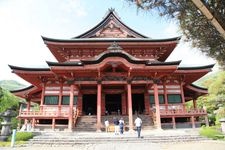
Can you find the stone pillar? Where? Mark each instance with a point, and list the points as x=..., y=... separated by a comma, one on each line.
x=174, y=122
x=193, y=121
x=70, y=122
x=206, y=121
x=182, y=96
x=99, y=95
x=157, y=112
x=42, y=96
x=129, y=98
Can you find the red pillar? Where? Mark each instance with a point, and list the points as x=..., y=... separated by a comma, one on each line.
x=60, y=99
x=194, y=104
x=70, y=123
x=53, y=123
x=147, y=103
x=165, y=95
x=129, y=96
x=156, y=96
x=124, y=104
x=193, y=121
x=182, y=96
x=42, y=97
x=79, y=103
x=28, y=105
x=174, y=122
x=103, y=104
x=99, y=87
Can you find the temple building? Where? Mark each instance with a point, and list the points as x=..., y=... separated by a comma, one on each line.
x=111, y=71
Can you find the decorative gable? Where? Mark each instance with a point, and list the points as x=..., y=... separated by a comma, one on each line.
x=111, y=27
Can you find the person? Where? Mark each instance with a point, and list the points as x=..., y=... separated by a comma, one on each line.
x=106, y=125
x=138, y=123
x=116, y=126
x=121, y=125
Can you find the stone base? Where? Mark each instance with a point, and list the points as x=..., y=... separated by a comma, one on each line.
x=3, y=138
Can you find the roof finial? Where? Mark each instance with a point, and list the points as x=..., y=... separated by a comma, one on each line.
x=111, y=9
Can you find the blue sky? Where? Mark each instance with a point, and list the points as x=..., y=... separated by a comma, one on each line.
x=24, y=21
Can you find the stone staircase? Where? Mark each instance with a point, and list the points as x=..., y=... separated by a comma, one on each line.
x=147, y=123
x=86, y=123
x=77, y=138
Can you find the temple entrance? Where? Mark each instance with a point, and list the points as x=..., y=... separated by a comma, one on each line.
x=90, y=104
x=113, y=104
x=138, y=105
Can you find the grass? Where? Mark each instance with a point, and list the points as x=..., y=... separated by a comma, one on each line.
x=21, y=138
x=7, y=143
x=212, y=132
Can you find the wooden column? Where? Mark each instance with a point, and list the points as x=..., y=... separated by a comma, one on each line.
x=174, y=122
x=79, y=103
x=193, y=121
x=60, y=99
x=70, y=122
x=194, y=104
x=42, y=96
x=147, y=103
x=124, y=104
x=99, y=87
x=53, y=123
x=103, y=104
x=156, y=97
x=33, y=123
x=129, y=98
x=28, y=105
x=182, y=95
x=165, y=95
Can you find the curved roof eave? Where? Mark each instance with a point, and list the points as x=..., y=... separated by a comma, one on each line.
x=197, y=89
x=107, y=54
x=23, y=89
x=175, y=39
x=28, y=69
x=196, y=67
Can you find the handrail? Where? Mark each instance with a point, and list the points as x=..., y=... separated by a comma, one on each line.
x=75, y=117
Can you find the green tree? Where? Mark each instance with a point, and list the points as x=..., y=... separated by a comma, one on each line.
x=193, y=24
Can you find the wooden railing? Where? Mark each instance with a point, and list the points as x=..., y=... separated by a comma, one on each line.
x=43, y=114
x=183, y=112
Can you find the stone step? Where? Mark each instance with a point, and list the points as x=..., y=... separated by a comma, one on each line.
x=98, y=140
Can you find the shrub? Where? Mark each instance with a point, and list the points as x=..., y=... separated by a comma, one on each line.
x=22, y=136
x=211, y=132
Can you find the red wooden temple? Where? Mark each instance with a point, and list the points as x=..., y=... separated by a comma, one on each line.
x=111, y=70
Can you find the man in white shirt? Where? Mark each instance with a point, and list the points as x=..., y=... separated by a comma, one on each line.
x=138, y=123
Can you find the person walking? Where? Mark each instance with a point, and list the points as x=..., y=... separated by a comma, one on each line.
x=116, y=126
x=121, y=125
x=106, y=125
x=138, y=123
